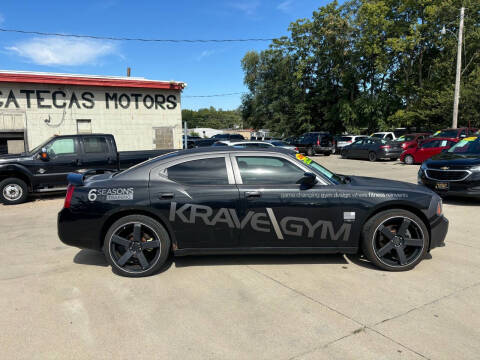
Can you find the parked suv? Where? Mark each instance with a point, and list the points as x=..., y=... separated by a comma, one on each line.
x=458, y=133
x=313, y=143
x=228, y=137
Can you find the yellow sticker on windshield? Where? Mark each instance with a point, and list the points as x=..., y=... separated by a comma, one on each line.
x=303, y=158
x=438, y=132
x=471, y=138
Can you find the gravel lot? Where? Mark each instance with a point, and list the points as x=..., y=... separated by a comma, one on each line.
x=60, y=302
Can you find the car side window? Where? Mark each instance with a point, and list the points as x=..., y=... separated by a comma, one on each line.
x=431, y=144
x=61, y=147
x=266, y=170
x=389, y=137
x=95, y=145
x=210, y=171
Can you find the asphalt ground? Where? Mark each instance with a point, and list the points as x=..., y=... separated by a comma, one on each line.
x=59, y=302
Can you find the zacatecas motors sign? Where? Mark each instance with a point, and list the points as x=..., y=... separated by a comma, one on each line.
x=59, y=99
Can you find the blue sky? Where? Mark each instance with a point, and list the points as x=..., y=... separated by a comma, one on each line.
x=207, y=68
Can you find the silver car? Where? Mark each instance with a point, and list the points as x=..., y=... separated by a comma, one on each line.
x=348, y=139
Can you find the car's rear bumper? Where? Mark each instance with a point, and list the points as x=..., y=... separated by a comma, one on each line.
x=389, y=154
x=438, y=230
x=78, y=231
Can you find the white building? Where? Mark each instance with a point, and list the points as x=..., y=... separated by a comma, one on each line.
x=142, y=114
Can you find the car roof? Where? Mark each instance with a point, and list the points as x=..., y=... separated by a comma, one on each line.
x=215, y=149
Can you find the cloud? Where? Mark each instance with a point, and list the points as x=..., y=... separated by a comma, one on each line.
x=205, y=53
x=60, y=51
x=248, y=7
x=285, y=6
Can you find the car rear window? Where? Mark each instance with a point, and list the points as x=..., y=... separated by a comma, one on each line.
x=446, y=133
x=345, y=138
x=210, y=171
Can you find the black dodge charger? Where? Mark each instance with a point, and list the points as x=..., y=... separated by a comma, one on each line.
x=239, y=201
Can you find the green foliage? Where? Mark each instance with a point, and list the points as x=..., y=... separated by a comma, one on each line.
x=373, y=64
x=212, y=118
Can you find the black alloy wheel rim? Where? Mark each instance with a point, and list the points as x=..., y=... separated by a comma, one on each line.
x=372, y=156
x=135, y=247
x=398, y=241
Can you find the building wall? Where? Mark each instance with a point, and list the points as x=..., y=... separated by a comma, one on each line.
x=132, y=123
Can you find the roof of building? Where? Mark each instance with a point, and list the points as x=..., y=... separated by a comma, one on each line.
x=29, y=77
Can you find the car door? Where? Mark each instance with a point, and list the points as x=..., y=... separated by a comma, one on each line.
x=427, y=150
x=276, y=212
x=63, y=158
x=199, y=198
x=355, y=150
x=97, y=153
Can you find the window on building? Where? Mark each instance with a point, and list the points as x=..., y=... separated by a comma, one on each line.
x=210, y=171
x=95, y=145
x=84, y=126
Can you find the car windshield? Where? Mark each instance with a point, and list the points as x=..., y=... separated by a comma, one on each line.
x=470, y=145
x=279, y=143
x=320, y=169
x=446, y=133
x=405, y=138
x=42, y=145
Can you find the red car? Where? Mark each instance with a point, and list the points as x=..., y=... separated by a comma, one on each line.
x=426, y=149
x=412, y=140
x=458, y=133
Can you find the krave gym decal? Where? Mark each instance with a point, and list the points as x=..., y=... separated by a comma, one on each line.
x=259, y=221
x=59, y=99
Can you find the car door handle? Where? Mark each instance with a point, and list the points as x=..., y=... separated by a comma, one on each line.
x=252, y=194
x=165, y=196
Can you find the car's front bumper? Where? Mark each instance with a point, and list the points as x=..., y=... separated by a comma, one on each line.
x=438, y=232
x=470, y=187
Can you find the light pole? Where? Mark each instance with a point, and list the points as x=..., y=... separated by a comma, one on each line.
x=459, y=68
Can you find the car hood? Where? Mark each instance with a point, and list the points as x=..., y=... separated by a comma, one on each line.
x=454, y=159
x=386, y=185
x=4, y=159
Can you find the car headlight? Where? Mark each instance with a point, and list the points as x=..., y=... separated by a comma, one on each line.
x=475, y=168
x=424, y=166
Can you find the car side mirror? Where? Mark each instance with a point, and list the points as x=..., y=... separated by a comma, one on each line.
x=43, y=155
x=309, y=179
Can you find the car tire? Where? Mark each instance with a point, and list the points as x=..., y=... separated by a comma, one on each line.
x=395, y=240
x=409, y=160
x=13, y=191
x=328, y=153
x=344, y=154
x=136, y=246
x=372, y=156
x=310, y=151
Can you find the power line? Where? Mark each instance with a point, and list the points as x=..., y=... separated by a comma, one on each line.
x=113, y=38
x=214, y=95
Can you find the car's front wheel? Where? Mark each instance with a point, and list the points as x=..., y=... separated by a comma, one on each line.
x=395, y=240
x=408, y=159
x=13, y=191
x=310, y=151
x=136, y=246
x=372, y=156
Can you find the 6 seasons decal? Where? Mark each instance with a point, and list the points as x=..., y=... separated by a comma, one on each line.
x=59, y=99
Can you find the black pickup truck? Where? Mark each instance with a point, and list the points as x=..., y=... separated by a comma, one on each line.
x=45, y=168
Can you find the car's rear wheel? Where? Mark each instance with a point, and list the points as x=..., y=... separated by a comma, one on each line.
x=136, y=246
x=327, y=153
x=395, y=240
x=344, y=154
x=372, y=156
x=310, y=151
x=13, y=191
x=409, y=160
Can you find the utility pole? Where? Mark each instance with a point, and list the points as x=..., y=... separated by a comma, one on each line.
x=185, y=141
x=459, y=70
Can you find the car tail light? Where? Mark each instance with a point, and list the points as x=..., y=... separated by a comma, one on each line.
x=439, y=208
x=318, y=141
x=385, y=147
x=68, y=197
